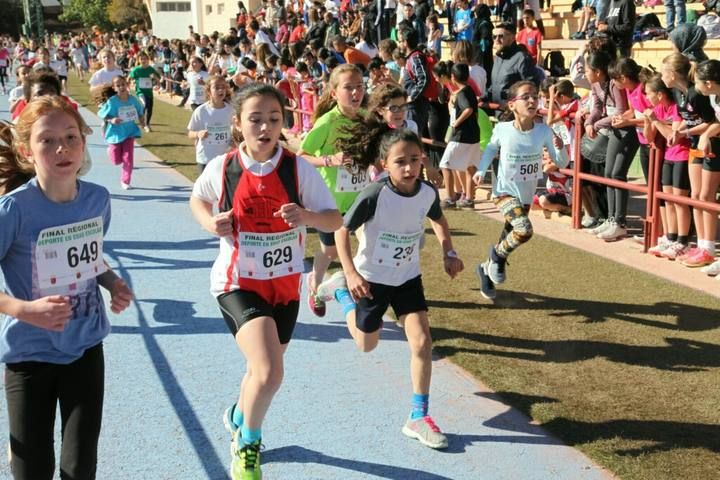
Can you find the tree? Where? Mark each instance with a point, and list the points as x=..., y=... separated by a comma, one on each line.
x=124, y=13
x=87, y=12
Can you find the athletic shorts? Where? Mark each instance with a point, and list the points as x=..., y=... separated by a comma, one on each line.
x=459, y=156
x=712, y=164
x=241, y=306
x=556, y=198
x=406, y=298
x=62, y=78
x=675, y=174
x=327, y=239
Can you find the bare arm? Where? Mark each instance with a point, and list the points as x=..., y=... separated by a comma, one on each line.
x=451, y=263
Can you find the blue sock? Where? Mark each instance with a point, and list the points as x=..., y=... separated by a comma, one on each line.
x=237, y=416
x=250, y=436
x=342, y=295
x=419, y=405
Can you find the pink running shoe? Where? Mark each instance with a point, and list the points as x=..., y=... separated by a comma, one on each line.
x=688, y=253
x=425, y=430
x=700, y=259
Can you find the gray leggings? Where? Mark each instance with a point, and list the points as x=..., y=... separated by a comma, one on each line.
x=622, y=147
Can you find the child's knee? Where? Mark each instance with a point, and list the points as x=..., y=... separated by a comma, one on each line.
x=367, y=343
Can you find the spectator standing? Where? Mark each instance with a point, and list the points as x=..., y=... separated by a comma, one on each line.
x=619, y=25
x=512, y=63
x=530, y=36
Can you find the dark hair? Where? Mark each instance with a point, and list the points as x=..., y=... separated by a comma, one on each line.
x=600, y=60
x=46, y=78
x=508, y=114
x=375, y=63
x=252, y=90
x=370, y=139
x=628, y=68
x=301, y=67
x=443, y=69
x=410, y=36
x=655, y=84
x=708, y=71
x=383, y=95
x=460, y=72
x=601, y=43
x=248, y=63
x=529, y=11
x=507, y=26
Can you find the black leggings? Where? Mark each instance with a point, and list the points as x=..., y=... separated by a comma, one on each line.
x=3, y=76
x=33, y=390
x=622, y=147
x=438, y=122
x=149, y=102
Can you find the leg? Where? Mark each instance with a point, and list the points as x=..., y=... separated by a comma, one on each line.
x=628, y=148
x=449, y=180
x=417, y=331
x=710, y=183
x=149, y=103
x=469, y=184
x=81, y=402
x=671, y=227
x=31, y=392
x=128, y=155
x=669, y=14
x=695, y=172
x=516, y=216
x=680, y=12
x=115, y=153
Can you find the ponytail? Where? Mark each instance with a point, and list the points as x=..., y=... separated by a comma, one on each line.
x=327, y=102
x=15, y=170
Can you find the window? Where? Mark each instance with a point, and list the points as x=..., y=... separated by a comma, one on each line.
x=208, y=9
x=173, y=6
x=220, y=8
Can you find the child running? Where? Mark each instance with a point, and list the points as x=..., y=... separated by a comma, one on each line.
x=386, y=269
x=520, y=144
x=54, y=318
x=266, y=196
x=122, y=111
x=338, y=108
x=389, y=103
x=142, y=79
x=211, y=123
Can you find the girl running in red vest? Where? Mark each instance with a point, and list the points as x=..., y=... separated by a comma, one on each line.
x=265, y=196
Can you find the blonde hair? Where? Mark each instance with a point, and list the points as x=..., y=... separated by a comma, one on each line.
x=327, y=102
x=681, y=65
x=15, y=168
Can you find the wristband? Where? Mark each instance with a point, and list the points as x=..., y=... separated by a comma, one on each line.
x=326, y=160
x=451, y=254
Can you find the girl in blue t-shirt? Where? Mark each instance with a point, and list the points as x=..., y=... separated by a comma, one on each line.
x=122, y=112
x=53, y=316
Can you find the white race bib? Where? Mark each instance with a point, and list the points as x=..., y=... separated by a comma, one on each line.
x=562, y=131
x=145, y=83
x=396, y=249
x=69, y=253
x=218, y=135
x=524, y=167
x=265, y=256
x=127, y=114
x=351, y=182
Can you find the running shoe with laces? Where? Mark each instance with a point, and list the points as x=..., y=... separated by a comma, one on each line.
x=495, y=267
x=487, y=287
x=465, y=203
x=326, y=290
x=599, y=229
x=448, y=203
x=589, y=222
x=425, y=430
x=662, y=244
x=691, y=251
x=712, y=270
x=675, y=250
x=246, y=461
x=700, y=259
x=613, y=232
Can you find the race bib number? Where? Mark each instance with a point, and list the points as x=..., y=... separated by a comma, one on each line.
x=271, y=255
x=127, y=114
x=69, y=253
x=218, y=135
x=351, y=181
x=397, y=249
x=145, y=83
x=524, y=167
x=562, y=131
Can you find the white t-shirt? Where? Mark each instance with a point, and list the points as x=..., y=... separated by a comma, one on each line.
x=218, y=123
x=479, y=75
x=15, y=94
x=371, y=52
x=60, y=67
x=312, y=191
x=716, y=106
x=102, y=76
x=262, y=37
x=197, y=90
x=77, y=56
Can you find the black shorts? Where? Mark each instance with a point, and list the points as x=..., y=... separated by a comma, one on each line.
x=240, y=306
x=62, y=78
x=406, y=298
x=712, y=164
x=327, y=239
x=675, y=174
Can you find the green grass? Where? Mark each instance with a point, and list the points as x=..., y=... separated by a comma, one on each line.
x=620, y=364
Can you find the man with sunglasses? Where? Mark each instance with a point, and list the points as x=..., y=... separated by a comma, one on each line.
x=512, y=64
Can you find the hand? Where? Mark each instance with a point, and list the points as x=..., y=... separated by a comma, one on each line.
x=557, y=142
x=293, y=214
x=115, y=121
x=358, y=286
x=650, y=114
x=552, y=91
x=120, y=296
x=590, y=131
x=50, y=313
x=202, y=134
x=453, y=266
x=221, y=224
x=602, y=27
x=705, y=146
x=618, y=121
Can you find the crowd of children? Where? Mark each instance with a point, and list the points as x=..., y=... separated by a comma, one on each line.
x=358, y=171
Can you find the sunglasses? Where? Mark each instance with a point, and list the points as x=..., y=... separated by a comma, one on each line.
x=525, y=98
x=397, y=108
x=498, y=37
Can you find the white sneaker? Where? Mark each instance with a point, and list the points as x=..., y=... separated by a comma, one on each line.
x=599, y=229
x=675, y=250
x=662, y=244
x=147, y=129
x=712, y=269
x=613, y=232
x=125, y=186
x=326, y=290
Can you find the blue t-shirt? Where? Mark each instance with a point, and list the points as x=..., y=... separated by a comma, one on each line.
x=463, y=18
x=129, y=112
x=24, y=214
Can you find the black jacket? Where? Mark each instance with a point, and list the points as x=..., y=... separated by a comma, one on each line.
x=621, y=22
x=511, y=65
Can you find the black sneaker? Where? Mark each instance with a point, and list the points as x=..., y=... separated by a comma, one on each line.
x=487, y=287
